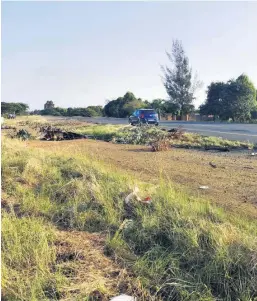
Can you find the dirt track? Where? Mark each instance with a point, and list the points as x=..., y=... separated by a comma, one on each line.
x=233, y=184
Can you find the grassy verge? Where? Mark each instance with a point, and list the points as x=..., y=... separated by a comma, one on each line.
x=180, y=248
x=129, y=135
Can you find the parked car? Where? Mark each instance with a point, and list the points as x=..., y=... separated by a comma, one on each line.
x=140, y=116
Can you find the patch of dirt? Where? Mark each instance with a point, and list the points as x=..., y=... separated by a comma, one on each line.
x=90, y=274
x=232, y=184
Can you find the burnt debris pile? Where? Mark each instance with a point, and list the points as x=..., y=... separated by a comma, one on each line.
x=50, y=133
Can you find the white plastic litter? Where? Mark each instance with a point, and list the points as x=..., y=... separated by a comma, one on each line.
x=123, y=298
x=253, y=154
x=204, y=187
x=130, y=196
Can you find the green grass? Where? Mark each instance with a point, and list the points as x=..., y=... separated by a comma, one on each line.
x=126, y=134
x=145, y=135
x=181, y=248
x=28, y=256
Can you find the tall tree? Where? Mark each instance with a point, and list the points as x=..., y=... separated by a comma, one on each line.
x=178, y=79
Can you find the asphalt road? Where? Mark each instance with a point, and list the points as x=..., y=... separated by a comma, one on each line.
x=234, y=131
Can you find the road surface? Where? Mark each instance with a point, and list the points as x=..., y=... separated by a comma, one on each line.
x=231, y=131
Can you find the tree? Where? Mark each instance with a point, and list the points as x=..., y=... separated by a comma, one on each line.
x=129, y=107
x=235, y=99
x=17, y=108
x=111, y=109
x=215, y=100
x=178, y=81
x=159, y=106
x=96, y=110
x=239, y=98
x=49, y=105
x=123, y=106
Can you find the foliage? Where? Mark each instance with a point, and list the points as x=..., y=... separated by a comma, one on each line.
x=178, y=79
x=138, y=135
x=124, y=106
x=95, y=110
x=90, y=111
x=254, y=114
x=163, y=106
x=51, y=112
x=49, y=105
x=214, y=102
x=235, y=99
x=18, y=108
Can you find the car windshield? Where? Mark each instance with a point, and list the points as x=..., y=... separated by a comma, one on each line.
x=147, y=112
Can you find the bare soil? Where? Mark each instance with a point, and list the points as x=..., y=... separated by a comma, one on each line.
x=232, y=184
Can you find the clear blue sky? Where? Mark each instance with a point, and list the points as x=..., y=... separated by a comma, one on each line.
x=82, y=53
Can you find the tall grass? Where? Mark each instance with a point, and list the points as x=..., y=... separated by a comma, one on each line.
x=181, y=248
x=27, y=258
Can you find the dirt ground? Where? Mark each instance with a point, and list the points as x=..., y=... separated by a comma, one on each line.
x=80, y=256
x=232, y=184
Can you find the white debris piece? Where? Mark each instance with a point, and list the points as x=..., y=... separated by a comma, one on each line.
x=130, y=196
x=204, y=187
x=123, y=298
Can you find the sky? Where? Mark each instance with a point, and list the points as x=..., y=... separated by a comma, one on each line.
x=84, y=53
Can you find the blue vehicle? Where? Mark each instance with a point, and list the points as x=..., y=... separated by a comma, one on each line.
x=144, y=116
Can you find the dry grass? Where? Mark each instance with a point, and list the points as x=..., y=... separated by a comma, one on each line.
x=179, y=247
x=232, y=185
x=80, y=256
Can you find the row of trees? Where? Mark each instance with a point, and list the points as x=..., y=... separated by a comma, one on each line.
x=235, y=99
x=17, y=108
x=126, y=105
x=120, y=108
x=90, y=111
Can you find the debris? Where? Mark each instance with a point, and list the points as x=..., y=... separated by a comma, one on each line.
x=253, y=154
x=132, y=194
x=204, y=187
x=7, y=127
x=123, y=298
x=212, y=165
x=11, y=116
x=52, y=133
x=160, y=144
x=125, y=224
x=217, y=148
x=176, y=133
x=147, y=200
x=23, y=134
x=248, y=167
